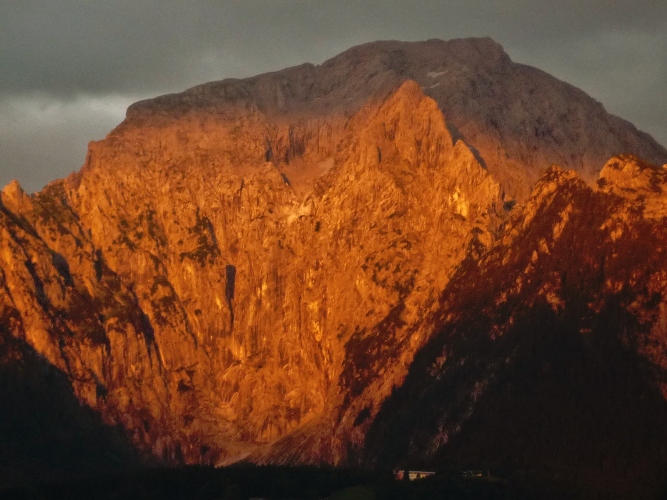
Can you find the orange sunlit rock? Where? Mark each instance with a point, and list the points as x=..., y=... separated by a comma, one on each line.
x=252, y=268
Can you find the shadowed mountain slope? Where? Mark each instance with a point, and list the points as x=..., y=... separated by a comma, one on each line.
x=44, y=431
x=552, y=356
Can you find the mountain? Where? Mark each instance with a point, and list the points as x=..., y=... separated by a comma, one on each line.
x=367, y=262
x=551, y=354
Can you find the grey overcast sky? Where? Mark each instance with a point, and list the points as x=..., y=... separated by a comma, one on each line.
x=69, y=68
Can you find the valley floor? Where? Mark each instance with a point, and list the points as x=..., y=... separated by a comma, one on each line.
x=246, y=482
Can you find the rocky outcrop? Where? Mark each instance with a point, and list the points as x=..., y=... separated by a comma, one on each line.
x=246, y=270
x=551, y=354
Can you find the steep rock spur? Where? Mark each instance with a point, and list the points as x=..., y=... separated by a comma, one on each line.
x=551, y=354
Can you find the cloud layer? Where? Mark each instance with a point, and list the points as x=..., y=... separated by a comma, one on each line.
x=70, y=67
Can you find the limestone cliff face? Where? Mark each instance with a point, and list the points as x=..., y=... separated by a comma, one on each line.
x=209, y=306
x=248, y=269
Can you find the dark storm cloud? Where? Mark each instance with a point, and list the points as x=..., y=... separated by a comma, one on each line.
x=67, y=47
x=87, y=60
x=42, y=138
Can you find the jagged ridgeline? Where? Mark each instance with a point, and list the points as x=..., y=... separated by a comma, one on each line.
x=367, y=262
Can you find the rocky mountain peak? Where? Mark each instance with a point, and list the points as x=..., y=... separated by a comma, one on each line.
x=630, y=173
x=519, y=119
x=637, y=181
x=13, y=196
x=355, y=262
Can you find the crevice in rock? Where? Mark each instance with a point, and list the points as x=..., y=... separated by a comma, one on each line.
x=230, y=284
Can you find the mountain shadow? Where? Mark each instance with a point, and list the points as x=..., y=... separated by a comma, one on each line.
x=543, y=401
x=45, y=433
